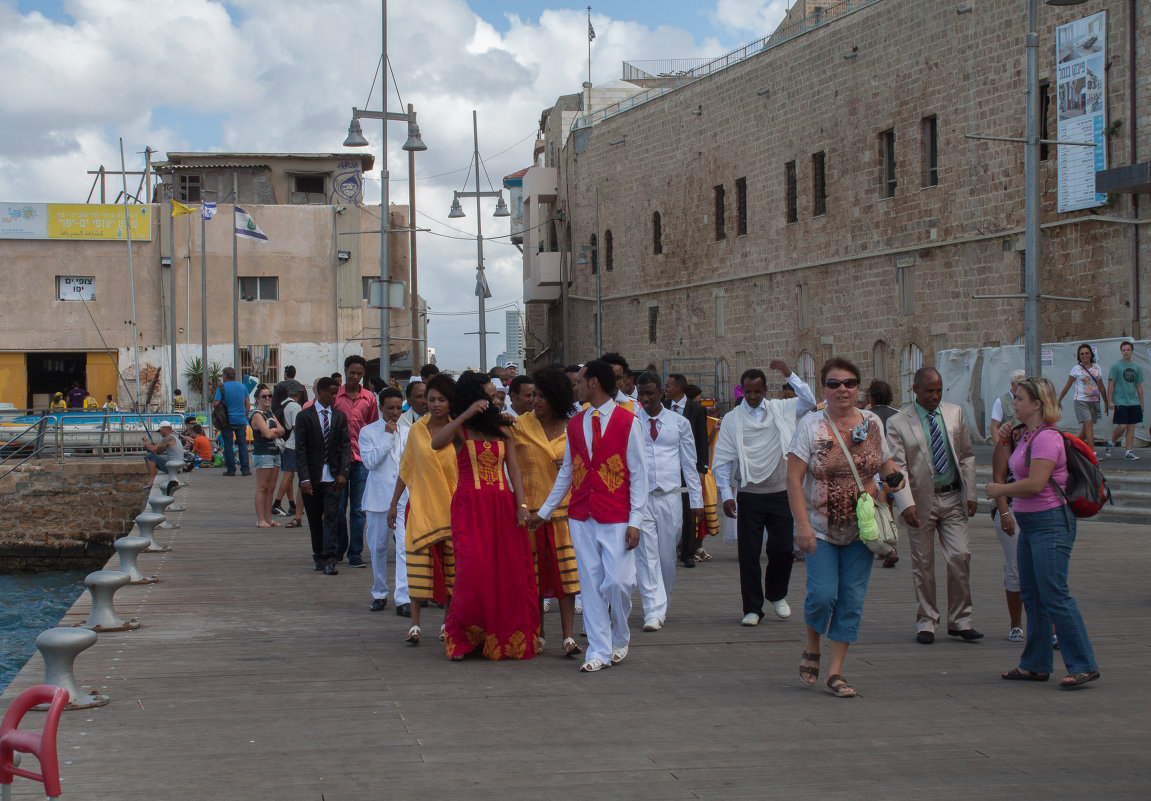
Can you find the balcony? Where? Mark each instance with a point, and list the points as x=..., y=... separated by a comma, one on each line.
x=541, y=185
x=548, y=268
x=542, y=275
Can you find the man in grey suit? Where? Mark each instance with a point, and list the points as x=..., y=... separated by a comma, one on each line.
x=932, y=447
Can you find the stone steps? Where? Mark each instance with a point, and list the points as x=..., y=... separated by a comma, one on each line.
x=1130, y=493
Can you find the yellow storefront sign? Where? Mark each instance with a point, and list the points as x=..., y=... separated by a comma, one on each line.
x=94, y=221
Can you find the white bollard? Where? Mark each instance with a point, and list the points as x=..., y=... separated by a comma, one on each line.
x=102, y=617
x=129, y=548
x=147, y=522
x=60, y=647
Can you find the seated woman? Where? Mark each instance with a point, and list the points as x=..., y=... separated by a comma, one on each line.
x=495, y=608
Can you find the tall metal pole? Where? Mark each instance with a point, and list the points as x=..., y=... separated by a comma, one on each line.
x=1032, y=323
x=385, y=273
x=204, y=399
x=235, y=281
x=598, y=298
x=172, y=299
x=481, y=283
x=131, y=276
x=418, y=341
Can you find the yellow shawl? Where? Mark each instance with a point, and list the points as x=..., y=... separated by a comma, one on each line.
x=536, y=452
x=431, y=478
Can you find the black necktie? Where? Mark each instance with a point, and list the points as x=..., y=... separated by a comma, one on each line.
x=327, y=431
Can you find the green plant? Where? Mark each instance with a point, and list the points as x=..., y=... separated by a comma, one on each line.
x=194, y=375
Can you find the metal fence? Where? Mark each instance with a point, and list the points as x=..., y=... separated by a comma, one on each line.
x=779, y=36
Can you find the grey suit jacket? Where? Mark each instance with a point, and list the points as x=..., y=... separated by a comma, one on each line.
x=912, y=455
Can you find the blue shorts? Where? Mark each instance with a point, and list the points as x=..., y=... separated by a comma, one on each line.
x=288, y=460
x=158, y=459
x=1128, y=415
x=266, y=461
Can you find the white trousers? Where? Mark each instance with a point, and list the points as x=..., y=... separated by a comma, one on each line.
x=660, y=533
x=402, y=552
x=378, y=537
x=607, y=578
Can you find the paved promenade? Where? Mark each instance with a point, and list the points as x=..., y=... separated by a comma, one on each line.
x=255, y=678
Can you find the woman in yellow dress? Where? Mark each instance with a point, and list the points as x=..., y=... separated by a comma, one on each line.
x=540, y=436
x=430, y=476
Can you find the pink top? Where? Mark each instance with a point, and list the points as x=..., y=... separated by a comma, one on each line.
x=360, y=412
x=1046, y=443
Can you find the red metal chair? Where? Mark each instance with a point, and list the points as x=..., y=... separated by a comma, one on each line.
x=41, y=744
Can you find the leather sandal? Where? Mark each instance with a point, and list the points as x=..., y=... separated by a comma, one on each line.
x=838, y=686
x=414, y=635
x=809, y=673
x=1018, y=674
x=571, y=647
x=1075, y=680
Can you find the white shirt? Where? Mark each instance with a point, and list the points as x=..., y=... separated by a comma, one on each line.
x=621, y=396
x=380, y=452
x=636, y=467
x=671, y=455
x=408, y=418
x=291, y=409
x=326, y=476
x=777, y=482
x=677, y=405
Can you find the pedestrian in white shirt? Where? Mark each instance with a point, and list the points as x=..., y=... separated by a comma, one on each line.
x=669, y=448
x=752, y=444
x=624, y=378
x=417, y=394
x=381, y=446
x=604, y=468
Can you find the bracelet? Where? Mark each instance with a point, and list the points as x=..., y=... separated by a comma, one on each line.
x=523, y=506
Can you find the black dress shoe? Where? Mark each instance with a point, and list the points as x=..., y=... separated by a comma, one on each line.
x=404, y=610
x=689, y=562
x=925, y=637
x=330, y=570
x=317, y=566
x=378, y=604
x=967, y=634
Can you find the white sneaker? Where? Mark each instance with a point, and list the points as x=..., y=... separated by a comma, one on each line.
x=593, y=666
x=750, y=619
x=578, y=607
x=1015, y=635
x=781, y=608
x=652, y=624
x=1110, y=445
x=547, y=605
x=618, y=654
x=1130, y=456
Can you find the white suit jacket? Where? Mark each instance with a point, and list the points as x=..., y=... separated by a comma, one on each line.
x=912, y=456
x=381, y=452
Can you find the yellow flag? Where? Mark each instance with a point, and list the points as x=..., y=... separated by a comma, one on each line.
x=179, y=208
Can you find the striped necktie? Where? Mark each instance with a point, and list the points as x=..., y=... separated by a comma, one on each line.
x=327, y=430
x=938, y=447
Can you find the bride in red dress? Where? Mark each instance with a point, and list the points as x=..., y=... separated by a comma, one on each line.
x=494, y=608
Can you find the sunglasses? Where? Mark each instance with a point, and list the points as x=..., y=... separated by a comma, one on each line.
x=836, y=383
x=265, y=397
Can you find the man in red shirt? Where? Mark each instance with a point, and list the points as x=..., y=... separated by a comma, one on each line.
x=360, y=407
x=605, y=469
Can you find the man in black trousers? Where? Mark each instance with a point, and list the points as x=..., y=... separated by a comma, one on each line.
x=323, y=459
x=696, y=416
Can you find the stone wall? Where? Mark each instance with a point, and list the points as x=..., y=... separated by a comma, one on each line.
x=67, y=516
x=908, y=60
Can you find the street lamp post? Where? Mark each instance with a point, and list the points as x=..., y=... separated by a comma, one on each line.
x=414, y=143
x=457, y=212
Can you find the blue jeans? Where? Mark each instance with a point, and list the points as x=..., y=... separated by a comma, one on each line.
x=239, y=431
x=1044, y=550
x=354, y=492
x=837, y=577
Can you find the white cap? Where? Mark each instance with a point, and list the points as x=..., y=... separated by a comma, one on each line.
x=417, y=378
x=510, y=364
x=499, y=385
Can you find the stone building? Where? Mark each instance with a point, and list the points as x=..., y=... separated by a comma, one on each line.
x=815, y=193
x=302, y=294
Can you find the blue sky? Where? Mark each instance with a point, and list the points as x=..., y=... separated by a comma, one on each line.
x=282, y=76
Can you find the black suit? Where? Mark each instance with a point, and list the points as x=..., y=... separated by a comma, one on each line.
x=323, y=505
x=696, y=416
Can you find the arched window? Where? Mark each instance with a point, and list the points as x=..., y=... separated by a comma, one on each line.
x=656, y=233
x=806, y=371
x=608, y=250
x=879, y=360
x=910, y=361
x=594, y=254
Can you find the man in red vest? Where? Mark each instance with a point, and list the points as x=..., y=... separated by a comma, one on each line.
x=605, y=471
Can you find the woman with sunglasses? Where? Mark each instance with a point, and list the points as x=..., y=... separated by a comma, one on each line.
x=265, y=455
x=1046, y=536
x=823, y=493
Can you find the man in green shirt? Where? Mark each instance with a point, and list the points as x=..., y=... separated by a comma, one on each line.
x=1125, y=388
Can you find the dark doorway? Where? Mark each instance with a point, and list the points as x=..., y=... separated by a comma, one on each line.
x=49, y=373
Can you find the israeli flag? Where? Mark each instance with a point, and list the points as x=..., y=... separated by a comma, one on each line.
x=207, y=210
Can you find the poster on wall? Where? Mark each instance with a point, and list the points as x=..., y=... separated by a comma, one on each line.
x=79, y=221
x=1080, y=59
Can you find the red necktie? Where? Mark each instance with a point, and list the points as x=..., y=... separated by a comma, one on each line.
x=675, y=408
x=595, y=430
x=654, y=430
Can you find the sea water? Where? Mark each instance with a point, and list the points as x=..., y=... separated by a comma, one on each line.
x=29, y=604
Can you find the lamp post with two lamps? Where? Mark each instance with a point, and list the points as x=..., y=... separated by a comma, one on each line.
x=457, y=212
x=414, y=143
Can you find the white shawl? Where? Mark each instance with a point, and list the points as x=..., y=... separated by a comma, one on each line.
x=756, y=446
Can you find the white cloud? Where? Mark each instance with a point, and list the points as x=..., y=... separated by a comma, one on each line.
x=282, y=75
x=758, y=18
